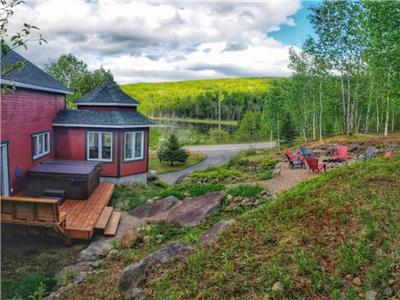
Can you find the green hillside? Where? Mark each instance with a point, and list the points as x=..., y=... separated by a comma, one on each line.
x=199, y=98
x=335, y=236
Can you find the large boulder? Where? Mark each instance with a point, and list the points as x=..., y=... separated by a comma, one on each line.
x=95, y=250
x=133, y=274
x=150, y=209
x=214, y=231
x=191, y=212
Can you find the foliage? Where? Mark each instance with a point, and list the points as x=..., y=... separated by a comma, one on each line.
x=28, y=286
x=288, y=130
x=171, y=152
x=199, y=98
x=245, y=190
x=74, y=73
x=20, y=38
x=218, y=136
x=190, y=190
x=214, y=174
x=249, y=127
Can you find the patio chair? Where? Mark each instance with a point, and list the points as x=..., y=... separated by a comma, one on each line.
x=388, y=154
x=294, y=161
x=341, y=154
x=315, y=165
x=369, y=153
x=305, y=152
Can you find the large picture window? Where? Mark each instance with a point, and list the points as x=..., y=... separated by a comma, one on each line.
x=133, y=145
x=99, y=145
x=40, y=144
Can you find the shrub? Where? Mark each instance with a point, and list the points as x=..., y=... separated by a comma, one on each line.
x=269, y=164
x=28, y=286
x=218, y=136
x=266, y=175
x=216, y=174
x=192, y=190
x=172, y=152
x=245, y=190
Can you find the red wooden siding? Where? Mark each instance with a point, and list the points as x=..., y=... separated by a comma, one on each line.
x=24, y=112
x=71, y=144
x=134, y=167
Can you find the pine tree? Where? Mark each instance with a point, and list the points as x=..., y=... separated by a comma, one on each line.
x=288, y=130
x=172, y=152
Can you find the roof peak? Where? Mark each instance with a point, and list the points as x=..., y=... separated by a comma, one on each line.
x=108, y=93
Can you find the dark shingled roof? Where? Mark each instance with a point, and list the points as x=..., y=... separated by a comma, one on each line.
x=108, y=93
x=28, y=76
x=112, y=119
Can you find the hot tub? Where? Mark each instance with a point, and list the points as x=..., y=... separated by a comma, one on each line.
x=77, y=178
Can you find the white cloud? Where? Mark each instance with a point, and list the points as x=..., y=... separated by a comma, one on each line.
x=163, y=41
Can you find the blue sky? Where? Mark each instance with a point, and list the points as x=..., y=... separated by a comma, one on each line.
x=147, y=41
x=297, y=34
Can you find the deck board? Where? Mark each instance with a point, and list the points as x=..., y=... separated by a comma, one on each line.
x=82, y=215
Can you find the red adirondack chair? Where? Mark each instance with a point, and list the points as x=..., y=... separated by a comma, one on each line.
x=388, y=154
x=341, y=154
x=294, y=160
x=315, y=165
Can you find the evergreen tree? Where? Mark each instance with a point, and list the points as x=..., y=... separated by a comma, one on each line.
x=172, y=152
x=288, y=129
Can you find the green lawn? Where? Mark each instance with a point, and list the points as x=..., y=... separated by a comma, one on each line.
x=161, y=168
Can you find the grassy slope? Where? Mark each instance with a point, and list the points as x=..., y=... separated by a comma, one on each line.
x=165, y=91
x=162, y=168
x=313, y=239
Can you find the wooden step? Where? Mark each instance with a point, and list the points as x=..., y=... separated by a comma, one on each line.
x=104, y=218
x=113, y=223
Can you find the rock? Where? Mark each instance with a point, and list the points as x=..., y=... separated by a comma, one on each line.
x=370, y=295
x=152, y=175
x=277, y=287
x=129, y=239
x=391, y=281
x=147, y=210
x=356, y=281
x=277, y=171
x=79, y=278
x=213, y=232
x=131, y=277
x=191, y=212
x=181, y=179
x=133, y=274
x=95, y=250
x=171, y=251
x=388, y=291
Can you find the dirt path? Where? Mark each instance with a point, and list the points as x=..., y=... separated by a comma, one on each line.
x=287, y=178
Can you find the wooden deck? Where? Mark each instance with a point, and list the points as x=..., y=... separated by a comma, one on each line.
x=82, y=215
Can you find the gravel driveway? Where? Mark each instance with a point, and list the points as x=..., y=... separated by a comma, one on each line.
x=216, y=155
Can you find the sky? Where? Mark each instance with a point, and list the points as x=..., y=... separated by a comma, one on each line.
x=141, y=41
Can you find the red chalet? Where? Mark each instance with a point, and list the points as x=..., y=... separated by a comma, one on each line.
x=36, y=127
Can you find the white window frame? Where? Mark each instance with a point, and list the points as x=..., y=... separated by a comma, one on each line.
x=133, y=158
x=100, y=146
x=44, y=136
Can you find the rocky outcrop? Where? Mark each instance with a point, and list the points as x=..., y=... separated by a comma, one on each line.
x=153, y=208
x=191, y=212
x=214, y=231
x=133, y=274
x=95, y=250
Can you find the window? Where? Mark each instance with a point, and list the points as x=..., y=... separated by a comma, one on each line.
x=99, y=145
x=134, y=145
x=40, y=144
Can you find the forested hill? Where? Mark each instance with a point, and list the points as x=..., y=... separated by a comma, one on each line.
x=199, y=98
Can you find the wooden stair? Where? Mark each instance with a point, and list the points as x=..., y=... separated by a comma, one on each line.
x=104, y=218
x=112, y=224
